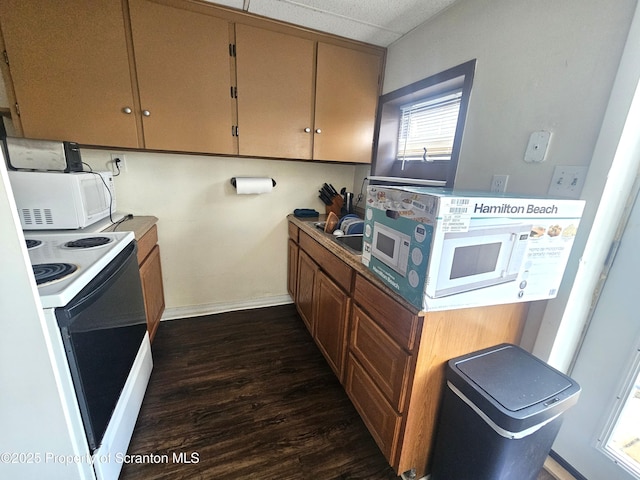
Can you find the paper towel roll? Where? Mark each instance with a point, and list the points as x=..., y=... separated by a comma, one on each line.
x=253, y=185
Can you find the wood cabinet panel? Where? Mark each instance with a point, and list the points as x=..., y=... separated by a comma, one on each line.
x=147, y=242
x=293, y=232
x=292, y=266
x=398, y=322
x=341, y=273
x=347, y=86
x=307, y=270
x=69, y=65
x=184, y=76
x=275, y=74
x=330, y=319
x=383, y=422
x=385, y=361
x=152, y=289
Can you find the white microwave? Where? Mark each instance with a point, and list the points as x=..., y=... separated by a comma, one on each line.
x=391, y=247
x=56, y=200
x=480, y=257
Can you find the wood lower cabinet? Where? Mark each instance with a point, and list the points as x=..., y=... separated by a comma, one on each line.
x=321, y=298
x=331, y=313
x=307, y=270
x=393, y=358
x=386, y=362
x=151, y=279
x=292, y=266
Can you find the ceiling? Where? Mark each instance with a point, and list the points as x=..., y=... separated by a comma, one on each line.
x=379, y=22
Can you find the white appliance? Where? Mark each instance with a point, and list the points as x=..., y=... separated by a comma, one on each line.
x=58, y=201
x=391, y=247
x=95, y=329
x=484, y=255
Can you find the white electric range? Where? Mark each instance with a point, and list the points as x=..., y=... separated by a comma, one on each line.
x=95, y=325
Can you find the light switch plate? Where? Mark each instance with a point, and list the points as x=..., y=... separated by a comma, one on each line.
x=567, y=182
x=537, y=147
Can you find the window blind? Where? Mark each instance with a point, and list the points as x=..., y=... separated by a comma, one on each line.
x=428, y=124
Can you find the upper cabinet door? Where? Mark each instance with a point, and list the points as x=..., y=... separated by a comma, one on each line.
x=347, y=86
x=275, y=93
x=70, y=70
x=184, y=78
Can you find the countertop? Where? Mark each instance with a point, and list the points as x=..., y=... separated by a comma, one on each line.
x=327, y=240
x=139, y=225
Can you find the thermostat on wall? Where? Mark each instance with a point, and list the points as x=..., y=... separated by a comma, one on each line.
x=537, y=147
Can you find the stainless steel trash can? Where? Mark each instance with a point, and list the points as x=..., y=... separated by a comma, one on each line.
x=500, y=413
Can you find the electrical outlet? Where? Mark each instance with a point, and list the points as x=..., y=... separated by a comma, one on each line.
x=499, y=183
x=567, y=182
x=118, y=163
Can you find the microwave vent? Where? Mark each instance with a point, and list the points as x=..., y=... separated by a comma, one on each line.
x=37, y=216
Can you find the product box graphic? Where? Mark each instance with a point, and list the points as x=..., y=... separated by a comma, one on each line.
x=442, y=249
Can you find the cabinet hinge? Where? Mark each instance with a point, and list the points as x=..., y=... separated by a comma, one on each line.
x=6, y=57
x=232, y=50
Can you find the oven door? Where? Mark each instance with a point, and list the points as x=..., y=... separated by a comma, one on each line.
x=480, y=258
x=102, y=330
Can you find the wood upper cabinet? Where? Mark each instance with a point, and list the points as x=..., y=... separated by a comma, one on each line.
x=347, y=85
x=69, y=65
x=275, y=93
x=163, y=75
x=304, y=99
x=183, y=70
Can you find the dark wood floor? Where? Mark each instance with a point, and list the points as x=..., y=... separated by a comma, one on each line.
x=247, y=395
x=252, y=397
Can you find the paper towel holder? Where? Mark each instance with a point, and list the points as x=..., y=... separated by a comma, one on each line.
x=233, y=182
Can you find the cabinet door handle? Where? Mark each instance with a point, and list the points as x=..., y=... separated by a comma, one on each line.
x=318, y=130
x=307, y=130
x=146, y=113
x=127, y=110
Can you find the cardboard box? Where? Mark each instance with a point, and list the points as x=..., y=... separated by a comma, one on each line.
x=442, y=249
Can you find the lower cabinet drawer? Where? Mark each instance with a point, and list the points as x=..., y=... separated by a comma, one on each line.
x=385, y=361
x=381, y=419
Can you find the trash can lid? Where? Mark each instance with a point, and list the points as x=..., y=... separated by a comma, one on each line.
x=513, y=378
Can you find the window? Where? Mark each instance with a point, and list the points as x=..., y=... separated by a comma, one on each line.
x=429, y=114
x=427, y=128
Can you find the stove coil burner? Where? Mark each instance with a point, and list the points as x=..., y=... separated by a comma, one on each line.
x=32, y=243
x=88, y=242
x=48, y=272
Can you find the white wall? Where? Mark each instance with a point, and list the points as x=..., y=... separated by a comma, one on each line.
x=219, y=250
x=541, y=65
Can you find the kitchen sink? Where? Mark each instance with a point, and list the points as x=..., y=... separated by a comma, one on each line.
x=351, y=242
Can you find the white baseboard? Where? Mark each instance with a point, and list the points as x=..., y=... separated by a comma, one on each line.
x=213, y=308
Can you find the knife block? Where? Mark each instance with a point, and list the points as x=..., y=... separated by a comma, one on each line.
x=336, y=205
